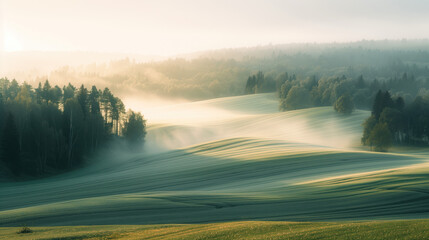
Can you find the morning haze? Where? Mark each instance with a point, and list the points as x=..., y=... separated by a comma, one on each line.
x=173, y=27
x=214, y=119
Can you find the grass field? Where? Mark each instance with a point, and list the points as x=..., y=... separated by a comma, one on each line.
x=409, y=229
x=250, y=163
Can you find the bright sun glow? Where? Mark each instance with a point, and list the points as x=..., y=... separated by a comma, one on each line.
x=11, y=43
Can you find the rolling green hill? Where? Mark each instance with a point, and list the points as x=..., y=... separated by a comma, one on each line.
x=248, y=163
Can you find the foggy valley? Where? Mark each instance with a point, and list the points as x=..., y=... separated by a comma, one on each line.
x=199, y=120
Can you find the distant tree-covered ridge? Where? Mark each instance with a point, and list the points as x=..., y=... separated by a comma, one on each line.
x=49, y=128
x=344, y=93
x=223, y=73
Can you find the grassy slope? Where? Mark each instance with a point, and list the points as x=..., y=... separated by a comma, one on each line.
x=254, y=164
x=253, y=116
x=408, y=229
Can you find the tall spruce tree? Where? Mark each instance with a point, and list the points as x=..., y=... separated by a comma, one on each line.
x=377, y=107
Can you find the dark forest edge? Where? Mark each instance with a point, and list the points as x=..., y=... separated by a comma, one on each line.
x=51, y=129
x=401, y=119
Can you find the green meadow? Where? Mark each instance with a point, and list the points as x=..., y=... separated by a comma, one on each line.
x=251, y=172
x=404, y=229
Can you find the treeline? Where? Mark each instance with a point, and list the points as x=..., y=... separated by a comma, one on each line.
x=258, y=83
x=296, y=93
x=394, y=122
x=341, y=92
x=224, y=73
x=47, y=129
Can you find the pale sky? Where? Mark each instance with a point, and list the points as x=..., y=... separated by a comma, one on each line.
x=161, y=27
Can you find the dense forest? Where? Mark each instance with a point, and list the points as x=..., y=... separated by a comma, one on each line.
x=222, y=73
x=49, y=129
x=393, y=122
x=296, y=93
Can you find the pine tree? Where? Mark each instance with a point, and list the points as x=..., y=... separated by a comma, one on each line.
x=46, y=91
x=82, y=98
x=93, y=100
x=377, y=107
x=105, y=102
x=387, y=101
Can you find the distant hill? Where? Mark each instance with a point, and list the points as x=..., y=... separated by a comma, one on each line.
x=224, y=72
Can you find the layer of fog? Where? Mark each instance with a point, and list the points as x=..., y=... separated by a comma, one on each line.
x=174, y=124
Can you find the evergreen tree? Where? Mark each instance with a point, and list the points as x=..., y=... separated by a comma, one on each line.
x=118, y=108
x=250, y=85
x=94, y=100
x=69, y=92
x=39, y=93
x=55, y=94
x=393, y=118
x=82, y=98
x=13, y=90
x=38, y=134
x=387, y=101
x=46, y=91
x=105, y=102
x=377, y=107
